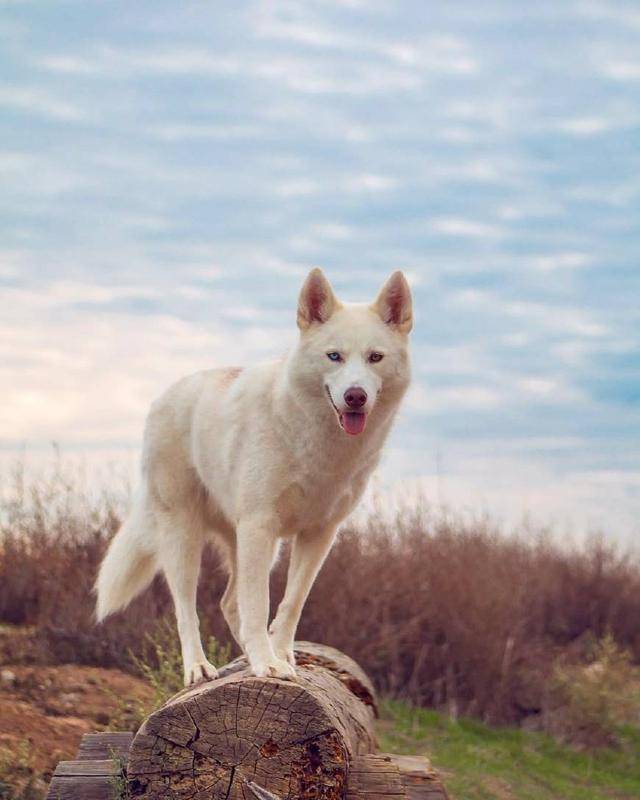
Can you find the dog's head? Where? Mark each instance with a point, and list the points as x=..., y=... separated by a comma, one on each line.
x=355, y=354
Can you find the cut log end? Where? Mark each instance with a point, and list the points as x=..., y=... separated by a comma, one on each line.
x=224, y=738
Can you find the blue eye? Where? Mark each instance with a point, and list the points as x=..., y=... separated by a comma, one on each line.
x=334, y=356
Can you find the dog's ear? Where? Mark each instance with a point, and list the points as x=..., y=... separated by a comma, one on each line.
x=317, y=301
x=393, y=304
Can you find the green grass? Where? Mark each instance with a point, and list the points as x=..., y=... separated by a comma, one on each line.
x=482, y=763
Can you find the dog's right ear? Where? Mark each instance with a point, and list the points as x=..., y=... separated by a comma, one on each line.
x=317, y=301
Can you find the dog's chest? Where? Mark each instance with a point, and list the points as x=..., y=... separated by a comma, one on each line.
x=306, y=504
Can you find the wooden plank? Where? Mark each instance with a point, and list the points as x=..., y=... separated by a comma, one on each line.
x=81, y=788
x=95, y=746
x=106, y=767
x=390, y=776
x=426, y=789
x=375, y=777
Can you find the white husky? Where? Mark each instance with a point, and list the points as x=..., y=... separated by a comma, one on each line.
x=248, y=456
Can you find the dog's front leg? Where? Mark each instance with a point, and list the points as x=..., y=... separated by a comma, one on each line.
x=256, y=543
x=307, y=556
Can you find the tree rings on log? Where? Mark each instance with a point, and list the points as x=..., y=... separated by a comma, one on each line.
x=239, y=735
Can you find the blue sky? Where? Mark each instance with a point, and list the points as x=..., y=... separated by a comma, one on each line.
x=170, y=171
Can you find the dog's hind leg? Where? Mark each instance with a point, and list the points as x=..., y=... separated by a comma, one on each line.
x=181, y=543
x=229, y=603
x=223, y=539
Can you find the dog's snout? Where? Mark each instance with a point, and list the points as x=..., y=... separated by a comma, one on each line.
x=355, y=397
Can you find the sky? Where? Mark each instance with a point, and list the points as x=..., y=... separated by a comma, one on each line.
x=169, y=172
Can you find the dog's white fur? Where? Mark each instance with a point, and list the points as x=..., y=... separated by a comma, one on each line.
x=247, y=456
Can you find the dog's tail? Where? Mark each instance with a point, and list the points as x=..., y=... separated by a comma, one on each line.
x=129, y=564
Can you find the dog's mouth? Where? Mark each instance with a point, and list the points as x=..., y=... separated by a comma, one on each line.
x=351, y=422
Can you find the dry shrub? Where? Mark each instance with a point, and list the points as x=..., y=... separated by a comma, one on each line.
x=593, y=702
x=18, y=780
x=448, y=613
x=458, y=616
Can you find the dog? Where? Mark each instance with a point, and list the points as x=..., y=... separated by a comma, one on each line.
x=249, y=456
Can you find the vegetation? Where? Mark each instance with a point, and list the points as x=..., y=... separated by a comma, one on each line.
x=441, y=612
x=160, y=664
x=119, y=786
x=483, y=763
x=18, y=780
x=478, y=762
x=596, y=707
x=594, y=702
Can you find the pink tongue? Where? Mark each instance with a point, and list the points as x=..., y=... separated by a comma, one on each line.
x=353, y=422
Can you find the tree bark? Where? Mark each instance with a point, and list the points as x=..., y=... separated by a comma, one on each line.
x=246, y=737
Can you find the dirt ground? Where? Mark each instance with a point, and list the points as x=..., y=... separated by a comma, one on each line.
x=45, y=710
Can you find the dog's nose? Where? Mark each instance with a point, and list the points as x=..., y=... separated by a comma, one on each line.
x=355, y=397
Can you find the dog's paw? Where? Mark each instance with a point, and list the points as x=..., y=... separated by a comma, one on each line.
x=284, y=651
x=273, y=668
x=198, y=672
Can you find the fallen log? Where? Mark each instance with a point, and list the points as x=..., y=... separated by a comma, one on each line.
x=246, y=737
x=290, y=738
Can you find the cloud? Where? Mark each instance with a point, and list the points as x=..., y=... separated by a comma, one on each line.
x=37, y=102
x=459, y=226
x=295, y=72
x=608, y=12
x=622, y=70
x=318, y=78
x=108, y=62
x=529, y=495
x=465, y=397
x=91, y=376
x=436, y=54
x=439, y=53
x=561, y=261
x=193, y=132
x=547, y=317
x=69, y=65
x=302, y=187
x=370, y=182
x=268, y=22
x=586, y=126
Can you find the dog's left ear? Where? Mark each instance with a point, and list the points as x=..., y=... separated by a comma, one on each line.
x=317, y=301
x=394, y=305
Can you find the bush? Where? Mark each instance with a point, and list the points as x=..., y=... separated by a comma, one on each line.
x=442, y=612
x=18, y=780
x=595, y=701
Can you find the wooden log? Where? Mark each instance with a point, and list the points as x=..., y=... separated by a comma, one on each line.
x=99, y=771
x=240, y=736
x=383, y=776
